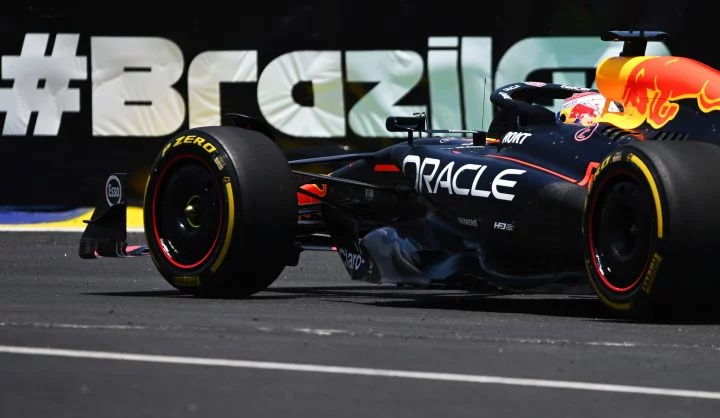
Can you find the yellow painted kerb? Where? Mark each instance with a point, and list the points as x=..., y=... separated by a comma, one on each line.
x=134, y=222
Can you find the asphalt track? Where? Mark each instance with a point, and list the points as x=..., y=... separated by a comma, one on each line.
x=109, y=338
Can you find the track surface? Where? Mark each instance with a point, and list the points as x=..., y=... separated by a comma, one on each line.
x=239, y=357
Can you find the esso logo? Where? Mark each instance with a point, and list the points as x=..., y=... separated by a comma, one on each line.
x=113, y=191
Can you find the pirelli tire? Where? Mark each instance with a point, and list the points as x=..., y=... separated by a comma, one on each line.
x=220, y=212
x=650, y=229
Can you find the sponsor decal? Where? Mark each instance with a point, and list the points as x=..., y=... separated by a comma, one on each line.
x=432, y=176
x=614, y=157
x=536, y=83
x=369, y=194
x=515, y=137
x=575, y=88
x=650, y=87
x=468, y=222
x=354, y=260
x=504, y=226
x=585, y=133
x=113, y=191
x=581, y=111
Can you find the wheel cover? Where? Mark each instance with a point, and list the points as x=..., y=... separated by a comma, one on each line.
x=621, y=231
x=187, y=211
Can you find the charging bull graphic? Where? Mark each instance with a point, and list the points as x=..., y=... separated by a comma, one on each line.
x=649, y=88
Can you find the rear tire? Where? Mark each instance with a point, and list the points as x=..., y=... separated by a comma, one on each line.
x=650, y=229
x=220, y=212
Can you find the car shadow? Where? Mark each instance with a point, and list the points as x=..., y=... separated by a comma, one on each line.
x=577, y=306
x=586, y=307
x=175, y=294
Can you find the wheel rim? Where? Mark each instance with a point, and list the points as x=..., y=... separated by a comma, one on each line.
x=621, y=231
x=187, y=214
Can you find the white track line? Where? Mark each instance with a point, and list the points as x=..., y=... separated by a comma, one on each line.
x=357, y=371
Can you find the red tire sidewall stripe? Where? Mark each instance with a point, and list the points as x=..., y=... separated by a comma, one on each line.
x=156, y=233
x=593, y=256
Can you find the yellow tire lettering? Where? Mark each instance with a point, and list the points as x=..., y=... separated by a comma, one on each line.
x=186, y=281
x=604, y=164
x=191, y=139
x=600, y=167
x=651, y=273
x=230, y=226
x=167, y=147
x=653, y=188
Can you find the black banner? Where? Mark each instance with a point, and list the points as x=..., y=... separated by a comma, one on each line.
x=86, y=92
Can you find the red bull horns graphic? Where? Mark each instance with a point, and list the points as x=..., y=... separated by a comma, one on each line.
x=649, y=87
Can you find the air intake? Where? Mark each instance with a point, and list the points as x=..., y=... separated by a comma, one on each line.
x=618, y=134
x=669, y=136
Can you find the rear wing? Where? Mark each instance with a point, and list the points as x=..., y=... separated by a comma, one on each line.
x=634, y=41
x=106, y=232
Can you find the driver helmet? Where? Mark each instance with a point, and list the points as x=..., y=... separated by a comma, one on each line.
x=584, y=108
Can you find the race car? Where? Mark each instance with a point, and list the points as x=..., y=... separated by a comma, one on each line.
x=624, y=202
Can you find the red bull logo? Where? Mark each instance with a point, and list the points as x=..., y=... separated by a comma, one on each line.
x=583, y=114
x=580, y=110
x=649, y=88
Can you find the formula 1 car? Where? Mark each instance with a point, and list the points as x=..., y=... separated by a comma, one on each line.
x=627, y=205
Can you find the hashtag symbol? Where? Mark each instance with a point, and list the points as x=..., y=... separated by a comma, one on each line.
x=41, y=84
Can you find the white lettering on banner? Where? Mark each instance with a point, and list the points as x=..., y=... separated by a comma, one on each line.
x=431, y=179
x=396, y=73
x=205, y=74
x=515, y=137
x=444, y=83
x=41, y=84
x=135, y=91
x=274, y=94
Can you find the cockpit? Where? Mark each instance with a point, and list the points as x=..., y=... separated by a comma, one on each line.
x=517, y=105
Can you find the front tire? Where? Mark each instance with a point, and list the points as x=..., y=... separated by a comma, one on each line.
x=649, y=228
x=220, y=212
